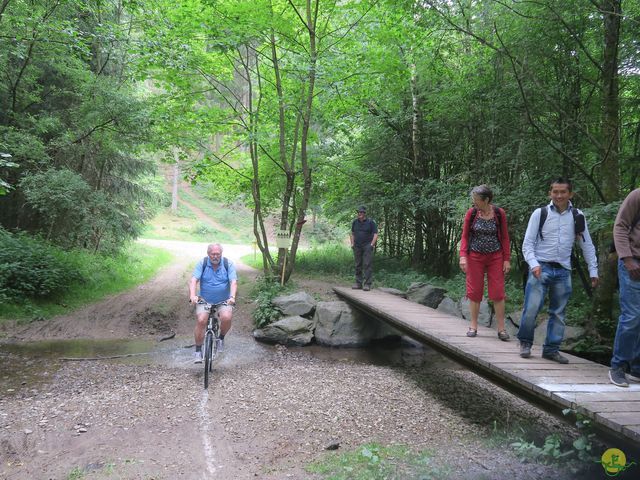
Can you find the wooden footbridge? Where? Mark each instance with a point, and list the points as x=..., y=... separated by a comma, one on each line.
x=581, y=385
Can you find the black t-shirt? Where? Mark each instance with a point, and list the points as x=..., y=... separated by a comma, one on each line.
x=363, y=231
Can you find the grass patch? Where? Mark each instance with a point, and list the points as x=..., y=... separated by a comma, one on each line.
x=236, y=218
x=185, y=226
x=166, y=226
x=102, y=276
x=76, y=474
x=375, y=462
x=254, y=260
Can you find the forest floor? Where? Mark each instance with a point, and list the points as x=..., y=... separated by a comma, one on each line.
x=269, y=413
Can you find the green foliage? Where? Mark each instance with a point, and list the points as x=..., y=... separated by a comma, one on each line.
x=74, y=124
x=264, y=290
x=373, y=461
x=83, y=277
x=76, y=474
x=584, y=444
x=576, y=455
x=326, y=259
x=549, y=452
x=30, y=269
x=324, y=232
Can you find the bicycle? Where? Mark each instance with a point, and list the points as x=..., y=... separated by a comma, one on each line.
x=211, y=337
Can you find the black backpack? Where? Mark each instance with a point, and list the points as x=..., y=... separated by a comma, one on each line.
x=579, y=223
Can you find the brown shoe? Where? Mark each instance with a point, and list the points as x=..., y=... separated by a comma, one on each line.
x=503, y=335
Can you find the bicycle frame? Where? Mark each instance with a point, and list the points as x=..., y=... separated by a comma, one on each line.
x=211, y=336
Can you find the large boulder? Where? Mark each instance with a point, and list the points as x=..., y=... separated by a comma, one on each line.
x=425, y=294
x=450, y=306
x=338, y=325
x=393, y=291
x=572, y=336
x=299, y=303
x=484, y=316
x=290, y=331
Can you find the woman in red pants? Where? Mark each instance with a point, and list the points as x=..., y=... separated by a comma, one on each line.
x=485, y=248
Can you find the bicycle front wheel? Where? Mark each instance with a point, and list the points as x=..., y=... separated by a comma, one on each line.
x=208, y=350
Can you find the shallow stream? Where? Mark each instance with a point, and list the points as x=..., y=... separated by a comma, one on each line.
x=30, y=364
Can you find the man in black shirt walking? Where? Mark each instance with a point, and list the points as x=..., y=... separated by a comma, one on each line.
x=363, y=238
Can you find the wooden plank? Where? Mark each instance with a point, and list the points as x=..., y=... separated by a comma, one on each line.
x=607, y=406
x=569, y=387
x=563, y=373
x=579, y=398
x=529, y=365
x=623, y=418
x=559, y=374
x=562, y=380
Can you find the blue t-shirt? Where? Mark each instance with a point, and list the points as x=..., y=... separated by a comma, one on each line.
x=215, y=284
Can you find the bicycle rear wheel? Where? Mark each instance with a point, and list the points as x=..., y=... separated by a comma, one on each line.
x=208, y=351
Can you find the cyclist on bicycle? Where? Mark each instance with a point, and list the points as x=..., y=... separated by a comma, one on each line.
x=218, y=283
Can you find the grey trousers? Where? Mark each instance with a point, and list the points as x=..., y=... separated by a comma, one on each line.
x=364, y=262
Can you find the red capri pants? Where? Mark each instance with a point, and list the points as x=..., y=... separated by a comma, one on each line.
x=477, y=265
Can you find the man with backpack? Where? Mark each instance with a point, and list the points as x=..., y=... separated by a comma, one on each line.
x=218, y=283
x=547, y=246
x=363, y=238
x=626, y=346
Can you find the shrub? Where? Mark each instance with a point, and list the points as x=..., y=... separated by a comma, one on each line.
x=263, y=292
x=32, y=268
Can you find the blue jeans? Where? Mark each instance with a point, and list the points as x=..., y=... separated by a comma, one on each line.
x=626, y=347
x=556, y=281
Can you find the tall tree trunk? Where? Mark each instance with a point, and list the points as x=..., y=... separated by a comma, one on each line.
x=612, y=13
x=287, y=166
x=418, y=219
x=312, y=8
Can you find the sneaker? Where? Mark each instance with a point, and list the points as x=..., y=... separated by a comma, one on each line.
x=555, y=357
x=197, y=357
x=366, y=288
x=633, y=377
x=616, y=375
x=220, y=345
x=525, y=350
x=357, y=286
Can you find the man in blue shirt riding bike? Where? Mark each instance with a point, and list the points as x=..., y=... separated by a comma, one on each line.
x=218, y=283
